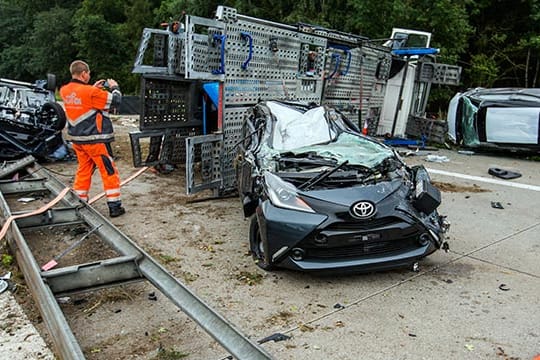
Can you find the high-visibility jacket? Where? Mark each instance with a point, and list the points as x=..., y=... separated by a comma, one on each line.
x=87, y=110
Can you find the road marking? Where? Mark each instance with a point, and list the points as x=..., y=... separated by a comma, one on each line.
x=487, y=180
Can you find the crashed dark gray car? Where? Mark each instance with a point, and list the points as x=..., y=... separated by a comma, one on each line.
x=321, y=196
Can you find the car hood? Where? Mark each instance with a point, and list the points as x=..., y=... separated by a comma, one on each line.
x=348, y=196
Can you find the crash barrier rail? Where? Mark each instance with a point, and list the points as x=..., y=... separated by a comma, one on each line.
x=133, y=264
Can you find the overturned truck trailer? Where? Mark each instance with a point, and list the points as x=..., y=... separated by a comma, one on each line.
x=199, y=78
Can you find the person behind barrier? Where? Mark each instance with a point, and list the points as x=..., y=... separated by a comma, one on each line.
x=91, y=132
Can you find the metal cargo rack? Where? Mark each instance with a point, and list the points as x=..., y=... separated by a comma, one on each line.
x=249, y=60
x=128, y=262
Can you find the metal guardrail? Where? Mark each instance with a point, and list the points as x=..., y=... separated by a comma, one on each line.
x=134, y=264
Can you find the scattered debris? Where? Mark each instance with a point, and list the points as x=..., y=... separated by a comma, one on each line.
x=469, y=347
x=275, y=338
x=500, y=352
x=338, y=306
x=63, y=300
x=446, y=246
x=496, y=205
x=503, y=174
x=466, y=152
x=249, y=278
x=152, y=296
x=306, y=328
x=412, y=335
x=3, y=286
x=504, y=287
x=437, y=158
x=164, y=354
x=26, y=200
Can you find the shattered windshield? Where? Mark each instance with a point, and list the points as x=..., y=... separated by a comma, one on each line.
x=294, y=129
x=297, y=134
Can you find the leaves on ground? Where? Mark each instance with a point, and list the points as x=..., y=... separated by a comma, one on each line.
x=249, y=278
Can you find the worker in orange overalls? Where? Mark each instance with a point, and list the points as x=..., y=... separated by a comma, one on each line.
x=91, y=132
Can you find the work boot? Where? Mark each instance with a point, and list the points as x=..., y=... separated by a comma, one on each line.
x=115, y=208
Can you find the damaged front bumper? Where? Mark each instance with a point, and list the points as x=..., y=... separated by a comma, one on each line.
x=317, y=242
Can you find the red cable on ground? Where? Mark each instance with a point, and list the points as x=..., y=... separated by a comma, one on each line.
x=42, y=209
x=99, y=196
x=59, y=197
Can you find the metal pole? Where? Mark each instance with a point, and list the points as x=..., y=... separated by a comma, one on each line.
x=400, y=100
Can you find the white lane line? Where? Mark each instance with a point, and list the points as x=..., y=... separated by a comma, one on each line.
x=486, y=180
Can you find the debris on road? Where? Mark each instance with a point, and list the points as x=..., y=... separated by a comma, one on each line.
x=437, y=158
x=275, y=338
x=497, y=205
x=503, y=174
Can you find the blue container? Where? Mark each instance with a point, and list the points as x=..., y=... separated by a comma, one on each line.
x=212, y=89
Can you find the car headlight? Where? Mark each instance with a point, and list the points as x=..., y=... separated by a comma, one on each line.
x=283, y=194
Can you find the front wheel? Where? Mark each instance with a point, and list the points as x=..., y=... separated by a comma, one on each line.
x=257, y=247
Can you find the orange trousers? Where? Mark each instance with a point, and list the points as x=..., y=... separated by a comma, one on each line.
x=90, y=156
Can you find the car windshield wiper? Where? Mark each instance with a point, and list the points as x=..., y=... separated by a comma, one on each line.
x=321, y=176
x=310, y=158
x=299, y=161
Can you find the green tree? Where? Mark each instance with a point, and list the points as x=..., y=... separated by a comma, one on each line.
x=50, y=43
x=13, y=51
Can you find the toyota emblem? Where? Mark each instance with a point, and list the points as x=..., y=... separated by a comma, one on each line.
x=363, y=210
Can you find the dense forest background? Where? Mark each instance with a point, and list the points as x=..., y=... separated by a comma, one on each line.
x=497, y=42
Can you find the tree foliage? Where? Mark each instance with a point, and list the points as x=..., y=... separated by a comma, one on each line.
x=497, y=42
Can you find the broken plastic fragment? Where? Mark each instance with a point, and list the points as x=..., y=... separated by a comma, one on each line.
x=274, y=337
x=504, y=287
x=496, y=205
x=503, y=174
x=3, y=286
x=437, y=158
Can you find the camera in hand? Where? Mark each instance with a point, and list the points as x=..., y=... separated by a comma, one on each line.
x=106, y=84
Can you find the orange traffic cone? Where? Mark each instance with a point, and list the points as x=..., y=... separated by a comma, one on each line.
x=365, y=128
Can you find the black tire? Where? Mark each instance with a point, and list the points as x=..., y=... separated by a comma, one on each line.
x=256, y=246
x=52, y=115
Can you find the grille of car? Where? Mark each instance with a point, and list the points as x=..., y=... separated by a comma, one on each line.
x=363, y=224
x=365, y=248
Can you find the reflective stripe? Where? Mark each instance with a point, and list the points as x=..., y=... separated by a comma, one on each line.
x=80, y=119
x=113, y=198
x=92, y=137
x=109, y=101
x=83, y=194
x=112, y=191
